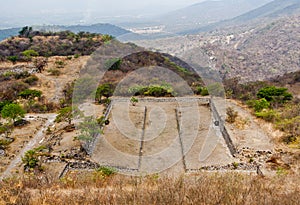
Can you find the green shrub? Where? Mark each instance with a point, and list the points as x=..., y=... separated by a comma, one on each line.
x=105, y=90
x=54, y=72
x=28, y=54
x=76, y=55
x=30, y=159
x=259, y=105
x=113, y=64
x=201, y=91
x=152, y=90
x=4, y=143
x=268, y=115
x=12, y=111
x=21, y=75
x=3, y=103
x=13, y=59
x=31, y=80
x=106, y=171
x=275, y=94
x=106, y=38
x=60, y=64
x=26, y=94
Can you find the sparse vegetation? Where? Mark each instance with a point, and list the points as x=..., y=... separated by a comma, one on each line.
x=164, y=90
x=275, y=94
x=204, y=188
x=89, y=129
x=67, y=114
x=28, y=54
x=106, y=171
x=54, y=71
x=30, y=94
x=231, y=115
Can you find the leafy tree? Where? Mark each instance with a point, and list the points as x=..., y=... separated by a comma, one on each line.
x=25, y=32
x=275, y=94
x=67, y=114
x=105, y=90
x=12, y=111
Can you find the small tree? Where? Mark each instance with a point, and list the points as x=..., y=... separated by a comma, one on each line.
x=89, y=129
x=25, y=32
x=67, y=114
x=30, y=159
x=12, y=112
x=105, y=90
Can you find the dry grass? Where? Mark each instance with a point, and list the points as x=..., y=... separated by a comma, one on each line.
x=197, y=189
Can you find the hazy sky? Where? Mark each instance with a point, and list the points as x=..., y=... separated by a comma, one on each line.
x=107, y=7
x=15, y=13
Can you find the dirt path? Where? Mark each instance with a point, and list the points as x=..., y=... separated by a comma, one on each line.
x=31, y=144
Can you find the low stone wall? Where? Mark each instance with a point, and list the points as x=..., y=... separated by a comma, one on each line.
x=222, y=126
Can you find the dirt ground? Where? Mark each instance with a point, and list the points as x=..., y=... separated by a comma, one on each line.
x=171, y=130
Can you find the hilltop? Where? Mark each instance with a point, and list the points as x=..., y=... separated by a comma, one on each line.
x=99, y=28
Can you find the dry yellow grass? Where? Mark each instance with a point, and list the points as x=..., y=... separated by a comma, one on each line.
x=204, y=188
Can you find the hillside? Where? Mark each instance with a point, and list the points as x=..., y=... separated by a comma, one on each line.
x=251, y=52
x=50, y=44
x=50, y=149
x=207, y=12
x=266, y=13
x=108, y=29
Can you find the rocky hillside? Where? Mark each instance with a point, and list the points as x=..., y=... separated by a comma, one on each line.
x=50, y=44
x=250, y=52
x=265, y=13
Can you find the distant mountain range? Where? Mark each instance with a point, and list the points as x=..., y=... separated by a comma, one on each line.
x=207, y=12
x=269, y=11
x=95, y=28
